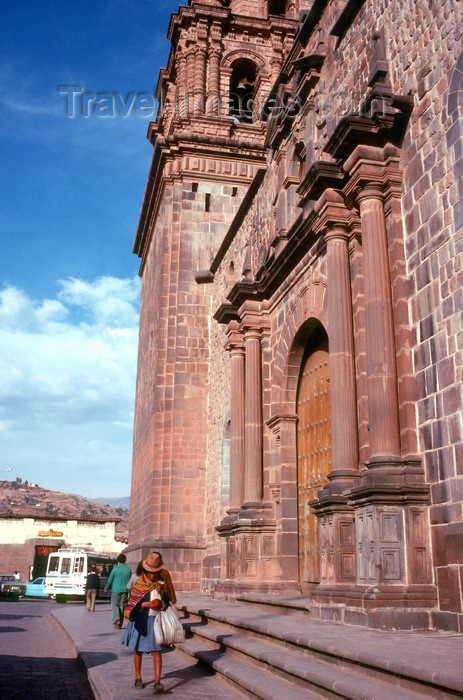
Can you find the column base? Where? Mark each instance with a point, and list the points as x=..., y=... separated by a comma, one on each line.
x=376, y=534
x=339, y=482
x=249, y=549
x=390, y=480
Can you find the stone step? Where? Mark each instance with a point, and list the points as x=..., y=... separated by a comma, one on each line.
x=280, y=603
x=255, y=682
x=333, y=660
x=294, y=666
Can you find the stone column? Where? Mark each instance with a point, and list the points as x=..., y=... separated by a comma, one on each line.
x=336, y=221
x=344, y=443
x=182, y=85
x=200, y=80
x=373, y=173
x=213, y=88
x=237, y=429
x=190, y=77
x=381, y=361
x=253, y=420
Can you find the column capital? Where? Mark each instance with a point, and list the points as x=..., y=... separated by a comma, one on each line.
x=200, y=49
x=374, y=173
x=235, y=339
x=334, y=217
x=215, y=51
x=235, y=344
x=254, y=318
x=253, y=332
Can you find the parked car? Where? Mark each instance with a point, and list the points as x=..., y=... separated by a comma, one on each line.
x=36, y=588
x=11, y=588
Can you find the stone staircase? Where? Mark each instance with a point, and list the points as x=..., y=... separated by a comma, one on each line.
x=274, y=650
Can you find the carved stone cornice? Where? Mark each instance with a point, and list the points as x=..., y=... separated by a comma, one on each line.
x=356, y=129
x=186, y=14
x=273, y=273
x=382, y=119
x=258, y=519
x=226, y=312
x=321, y=175
x=199, y=147
x=306, y=73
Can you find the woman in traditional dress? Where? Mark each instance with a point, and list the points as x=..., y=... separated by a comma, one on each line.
x=152, y=591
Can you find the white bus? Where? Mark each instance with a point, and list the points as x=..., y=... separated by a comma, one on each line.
x=67, y=571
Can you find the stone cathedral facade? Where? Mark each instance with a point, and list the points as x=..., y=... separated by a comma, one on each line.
x=299, y=407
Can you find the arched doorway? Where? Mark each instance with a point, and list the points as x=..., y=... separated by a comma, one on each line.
x=313, y=449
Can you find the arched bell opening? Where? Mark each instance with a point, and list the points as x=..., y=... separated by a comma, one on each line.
x=277, y=7
x=242, y=87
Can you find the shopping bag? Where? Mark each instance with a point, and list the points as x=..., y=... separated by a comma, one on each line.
x=167, y=627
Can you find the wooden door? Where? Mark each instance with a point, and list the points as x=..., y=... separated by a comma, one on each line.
x=313, y=454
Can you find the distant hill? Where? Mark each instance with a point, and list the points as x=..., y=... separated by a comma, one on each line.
x=123, y=502
x=22, y=499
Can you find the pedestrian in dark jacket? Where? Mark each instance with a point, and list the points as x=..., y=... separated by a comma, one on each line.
x=91, y=589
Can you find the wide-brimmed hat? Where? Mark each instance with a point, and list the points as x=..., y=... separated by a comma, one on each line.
x=150, y=563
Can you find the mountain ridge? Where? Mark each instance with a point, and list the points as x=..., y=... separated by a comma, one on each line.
x=24, y=499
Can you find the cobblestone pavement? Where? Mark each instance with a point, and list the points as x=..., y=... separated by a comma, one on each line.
x=37, y=660
x=110, y=664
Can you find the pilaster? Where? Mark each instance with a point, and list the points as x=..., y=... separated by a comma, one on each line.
x=235, y=345
x=248, y=533
x=338, y=225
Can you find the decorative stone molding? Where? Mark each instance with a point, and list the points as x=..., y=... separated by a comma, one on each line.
x=275, y=490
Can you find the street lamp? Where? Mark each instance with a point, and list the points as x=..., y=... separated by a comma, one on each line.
x=10, y=469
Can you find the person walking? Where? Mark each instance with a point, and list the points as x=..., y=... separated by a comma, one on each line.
x=117, y=584
x=91, y=589
x=152, y=591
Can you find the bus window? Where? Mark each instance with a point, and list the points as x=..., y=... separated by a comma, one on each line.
x=66, y=565
x=53, y=565
x=79, y=565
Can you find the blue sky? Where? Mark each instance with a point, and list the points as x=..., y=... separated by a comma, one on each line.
x=71, y=192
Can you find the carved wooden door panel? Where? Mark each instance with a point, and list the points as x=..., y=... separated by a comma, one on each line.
x=313, y=454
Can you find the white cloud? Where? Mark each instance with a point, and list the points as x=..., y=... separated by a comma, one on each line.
x=68, y=368
x=108, y=300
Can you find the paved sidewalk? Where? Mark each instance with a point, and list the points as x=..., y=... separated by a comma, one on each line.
x=110, y=664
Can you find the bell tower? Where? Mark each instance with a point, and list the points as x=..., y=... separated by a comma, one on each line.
x=208, y=145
